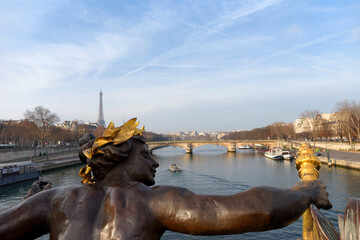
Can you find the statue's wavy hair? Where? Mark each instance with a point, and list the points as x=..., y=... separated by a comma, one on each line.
x=101, y=164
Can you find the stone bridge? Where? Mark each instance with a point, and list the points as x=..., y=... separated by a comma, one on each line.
x=231, y=145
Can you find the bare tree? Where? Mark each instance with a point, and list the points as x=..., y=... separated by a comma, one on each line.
x=9, y=133
x=280, y=130
x=288, y=130
x=325, y=130
x=21, y=133
x=43, y=119
x=338, y=125
x=313, y=121
x=349, y=113
x=275, y=130
x=28, y=132
x=355, y=118
x=324, y=126
x=99, y=131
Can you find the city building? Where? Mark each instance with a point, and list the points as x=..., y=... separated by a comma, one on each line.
x=302, y=125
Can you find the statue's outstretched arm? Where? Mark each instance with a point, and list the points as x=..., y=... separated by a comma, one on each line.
x=27, y=220
x=258, y=209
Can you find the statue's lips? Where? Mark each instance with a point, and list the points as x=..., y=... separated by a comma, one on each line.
x=153, y=171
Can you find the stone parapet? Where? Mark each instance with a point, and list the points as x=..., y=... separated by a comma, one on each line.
x=341, y=146
x=340, y=163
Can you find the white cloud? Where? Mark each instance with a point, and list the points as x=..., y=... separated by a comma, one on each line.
x=199, y=35
x=245, y=10
x=169, y=58
x=43, y=65
x=316, y=41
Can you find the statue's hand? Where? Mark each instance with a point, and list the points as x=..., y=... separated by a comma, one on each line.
x=37, y=187
x=317, y=193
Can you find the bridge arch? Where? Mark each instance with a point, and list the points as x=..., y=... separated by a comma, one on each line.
x=189, y=146
x=151, y=148
x=231, y=145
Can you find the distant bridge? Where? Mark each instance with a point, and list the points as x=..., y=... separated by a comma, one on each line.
x=189, y=145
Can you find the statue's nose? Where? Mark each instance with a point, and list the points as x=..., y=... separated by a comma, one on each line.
x=155, y=164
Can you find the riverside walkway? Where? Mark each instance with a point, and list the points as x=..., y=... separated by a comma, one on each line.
x=339, y=153
x=54, y=159
x=341, y=159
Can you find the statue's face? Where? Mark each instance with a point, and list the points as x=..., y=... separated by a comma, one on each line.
x=142, y=164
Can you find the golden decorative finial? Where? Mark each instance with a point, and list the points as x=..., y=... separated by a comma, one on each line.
x=308, y=166
x=307, y=163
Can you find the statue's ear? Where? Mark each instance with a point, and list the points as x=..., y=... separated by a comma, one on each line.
x=117, y=153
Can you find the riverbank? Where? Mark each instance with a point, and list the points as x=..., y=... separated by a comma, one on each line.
x=340, y=154
x=339, y=146
x=48, y=162
x=340, y=163
x=341, y=159
x=59, y=160
x=35, y=154
x=45, y=158
x=53, y=165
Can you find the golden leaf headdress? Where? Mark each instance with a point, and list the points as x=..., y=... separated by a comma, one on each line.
x=111, y=135
x=115, y=136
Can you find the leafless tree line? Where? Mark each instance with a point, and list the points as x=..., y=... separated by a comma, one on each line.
x=277, y=130
x=347, y=120
x=37, y=129
x=344, y=124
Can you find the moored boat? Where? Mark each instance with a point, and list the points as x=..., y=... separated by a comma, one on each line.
x=245, y=147
x=261, y=148
x=287, y=155
x=175, y=168
x=274, y=153
x=17, y=172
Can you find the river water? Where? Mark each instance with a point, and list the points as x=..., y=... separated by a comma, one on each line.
x=212, y=170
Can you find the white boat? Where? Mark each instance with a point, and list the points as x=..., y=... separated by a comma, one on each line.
x=274, y=153
x=245, y=147
x=287, y=155
x=175, y=168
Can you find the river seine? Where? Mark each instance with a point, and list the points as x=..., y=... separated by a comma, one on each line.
x=212, y=170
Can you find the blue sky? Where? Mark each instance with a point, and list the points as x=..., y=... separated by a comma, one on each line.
x=179, y=65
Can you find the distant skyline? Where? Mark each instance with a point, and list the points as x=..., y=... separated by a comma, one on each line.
x=179, y=65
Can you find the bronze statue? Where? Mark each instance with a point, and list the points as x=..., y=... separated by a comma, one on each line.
x=117, y=201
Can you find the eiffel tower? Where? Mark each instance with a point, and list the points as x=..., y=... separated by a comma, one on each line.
x=101, y=120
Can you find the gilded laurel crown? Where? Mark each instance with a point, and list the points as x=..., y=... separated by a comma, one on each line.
x=114, y=135
x=111, y=135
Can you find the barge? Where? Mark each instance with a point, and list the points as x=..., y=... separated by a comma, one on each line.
x=15, y=172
